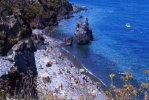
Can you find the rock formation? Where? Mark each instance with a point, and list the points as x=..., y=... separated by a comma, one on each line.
x=83, y=32
x=78, y=8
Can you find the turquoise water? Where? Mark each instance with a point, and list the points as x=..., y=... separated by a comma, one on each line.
x=116, y=47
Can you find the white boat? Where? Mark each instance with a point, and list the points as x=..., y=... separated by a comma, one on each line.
x=128, y=25
x=124, y=73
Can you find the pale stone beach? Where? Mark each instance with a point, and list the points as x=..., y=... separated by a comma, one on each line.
x=61, y=79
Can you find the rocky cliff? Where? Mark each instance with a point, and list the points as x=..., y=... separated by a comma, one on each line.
x=18, y=17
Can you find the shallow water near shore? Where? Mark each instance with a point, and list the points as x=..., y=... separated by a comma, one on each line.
x=117, y=47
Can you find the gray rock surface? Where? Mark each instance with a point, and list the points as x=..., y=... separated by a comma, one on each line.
x=5, y=66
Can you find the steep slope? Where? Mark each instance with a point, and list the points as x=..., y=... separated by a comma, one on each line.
x=18, y=17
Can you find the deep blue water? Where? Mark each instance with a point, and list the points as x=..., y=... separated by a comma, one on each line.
x=115, y=48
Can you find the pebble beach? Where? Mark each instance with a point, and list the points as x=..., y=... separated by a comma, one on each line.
x=59, y=78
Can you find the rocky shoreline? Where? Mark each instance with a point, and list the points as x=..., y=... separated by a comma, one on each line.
x=79, y=65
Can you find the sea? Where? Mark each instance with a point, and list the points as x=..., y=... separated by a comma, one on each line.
x=121, y=38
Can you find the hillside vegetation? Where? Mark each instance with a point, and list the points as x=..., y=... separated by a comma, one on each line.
x=18, y=17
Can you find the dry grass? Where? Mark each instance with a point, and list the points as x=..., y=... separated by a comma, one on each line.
x=128, y=91
x=18, y=86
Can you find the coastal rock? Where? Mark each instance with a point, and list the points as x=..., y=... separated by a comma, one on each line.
x=9, y=28
x=50, y=12
x=65, y=10
x=77, y=9
x=83, y=32
x=68, y=41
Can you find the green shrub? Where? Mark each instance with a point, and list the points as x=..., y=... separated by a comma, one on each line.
x=12, y=41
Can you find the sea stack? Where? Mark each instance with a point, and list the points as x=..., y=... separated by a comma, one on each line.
x=83, y=31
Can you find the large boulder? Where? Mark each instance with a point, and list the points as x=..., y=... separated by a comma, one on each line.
x=83, y=32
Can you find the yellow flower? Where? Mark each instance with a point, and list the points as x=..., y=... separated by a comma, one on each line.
x=112, y=75
x=144, y=85
x=129, y=75
x=134, y=92
x=129, y=87
x=107, y=94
